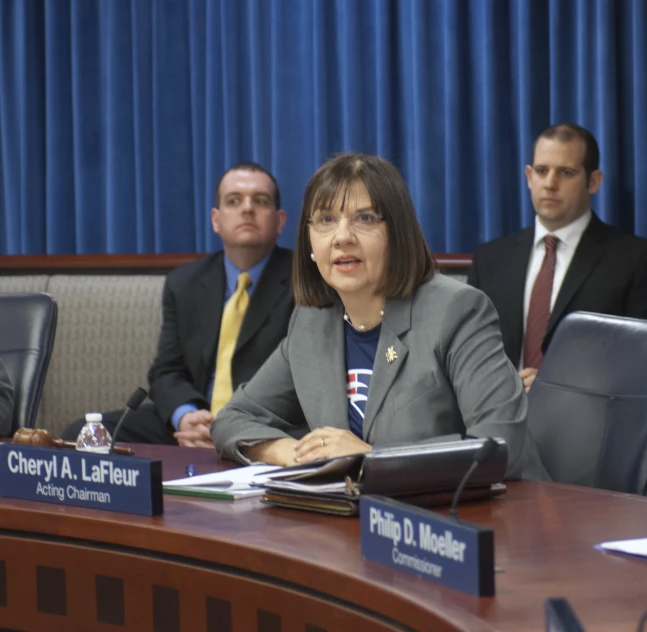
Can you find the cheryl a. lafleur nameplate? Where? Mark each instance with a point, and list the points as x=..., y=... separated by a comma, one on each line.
x=450, y=552
x=84, y=479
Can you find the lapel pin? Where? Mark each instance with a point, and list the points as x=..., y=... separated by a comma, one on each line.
x=391, y=354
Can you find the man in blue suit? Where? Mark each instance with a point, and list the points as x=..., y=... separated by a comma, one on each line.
x=248, y=217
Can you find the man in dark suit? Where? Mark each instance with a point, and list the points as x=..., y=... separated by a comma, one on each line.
x=249, y=219
x=6, y=403
x=569, y=260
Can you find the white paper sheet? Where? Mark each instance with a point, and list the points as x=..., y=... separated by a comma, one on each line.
x=238, y=477
x=636, y=547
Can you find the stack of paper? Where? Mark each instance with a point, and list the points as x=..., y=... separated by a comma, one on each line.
x=337, y=487
x=233, y=484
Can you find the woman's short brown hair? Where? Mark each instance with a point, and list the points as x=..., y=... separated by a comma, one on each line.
x=408, y=259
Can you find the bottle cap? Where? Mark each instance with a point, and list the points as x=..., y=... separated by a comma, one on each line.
x=94, y=417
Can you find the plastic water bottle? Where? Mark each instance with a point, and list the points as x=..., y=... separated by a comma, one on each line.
x=94, y=436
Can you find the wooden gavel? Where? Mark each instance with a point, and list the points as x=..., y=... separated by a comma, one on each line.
x=42, y=438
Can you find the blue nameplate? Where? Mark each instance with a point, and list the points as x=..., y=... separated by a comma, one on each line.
x=84, y=479
x=424, y=543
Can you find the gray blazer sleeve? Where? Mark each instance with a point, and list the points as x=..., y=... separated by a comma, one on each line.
x=6, y=403
x=488, y=389
x=265, y=408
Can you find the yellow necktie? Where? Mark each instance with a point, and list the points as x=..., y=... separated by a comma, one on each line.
x=232, y=319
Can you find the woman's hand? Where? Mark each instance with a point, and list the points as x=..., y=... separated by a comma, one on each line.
x=328, y=442
x=273, y=452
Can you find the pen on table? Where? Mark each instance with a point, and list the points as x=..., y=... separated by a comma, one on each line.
x=190, y=471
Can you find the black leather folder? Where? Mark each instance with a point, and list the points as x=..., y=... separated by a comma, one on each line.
x=425, y=475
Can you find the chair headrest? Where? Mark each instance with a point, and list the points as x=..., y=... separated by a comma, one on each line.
x=598, y=352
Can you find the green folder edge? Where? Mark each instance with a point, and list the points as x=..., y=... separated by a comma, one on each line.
x=223, y=495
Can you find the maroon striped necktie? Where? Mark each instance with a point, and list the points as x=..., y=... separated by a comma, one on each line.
x=539, y=308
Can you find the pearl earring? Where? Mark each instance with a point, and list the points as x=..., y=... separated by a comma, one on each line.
x=312, y=256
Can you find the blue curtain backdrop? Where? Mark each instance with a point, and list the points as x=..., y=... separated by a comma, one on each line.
x=118, y=116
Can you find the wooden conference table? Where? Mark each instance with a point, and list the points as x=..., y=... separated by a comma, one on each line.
x=218, y=565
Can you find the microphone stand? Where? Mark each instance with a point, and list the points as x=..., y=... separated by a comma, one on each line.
x=483, y=454
x=133, y=403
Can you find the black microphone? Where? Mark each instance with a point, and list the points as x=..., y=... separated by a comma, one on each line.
x=483, y=454
x=560, y=617
x=133, y=403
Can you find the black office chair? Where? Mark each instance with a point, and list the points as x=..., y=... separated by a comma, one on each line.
x=588, y=405
x=27, y=330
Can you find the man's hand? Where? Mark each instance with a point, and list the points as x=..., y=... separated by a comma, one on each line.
x=193, y=430
x=326, y=443
x=528, y=377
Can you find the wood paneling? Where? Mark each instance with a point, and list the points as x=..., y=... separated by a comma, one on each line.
x=50, y=264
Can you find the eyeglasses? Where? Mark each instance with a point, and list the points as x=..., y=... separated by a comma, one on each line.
x=327, y=222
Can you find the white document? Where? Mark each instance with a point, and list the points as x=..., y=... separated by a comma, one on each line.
x=240, y=477
x=637, y=547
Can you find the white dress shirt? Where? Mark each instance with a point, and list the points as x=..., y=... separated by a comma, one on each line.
x=569, y=237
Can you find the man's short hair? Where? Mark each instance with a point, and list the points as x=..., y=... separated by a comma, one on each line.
x=568, y=132
x=249, y=166
x=408, y=261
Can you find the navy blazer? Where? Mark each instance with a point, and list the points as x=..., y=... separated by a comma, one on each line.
x=608, y=275
x=192, y=303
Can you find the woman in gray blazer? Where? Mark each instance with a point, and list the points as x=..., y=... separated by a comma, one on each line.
x=381, y=349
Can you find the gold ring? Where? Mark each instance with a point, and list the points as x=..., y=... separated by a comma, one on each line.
x=323, y=442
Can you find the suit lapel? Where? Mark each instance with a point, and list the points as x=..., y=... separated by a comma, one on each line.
x=516, y=288
x=209, y=304
x=587, y=254
x=396, y=321
x=271, y=286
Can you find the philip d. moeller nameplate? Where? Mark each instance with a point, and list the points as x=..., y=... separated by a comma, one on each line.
x=438, y=548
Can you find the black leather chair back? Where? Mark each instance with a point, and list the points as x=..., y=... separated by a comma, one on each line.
x=588, y=405
x=27, y=330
